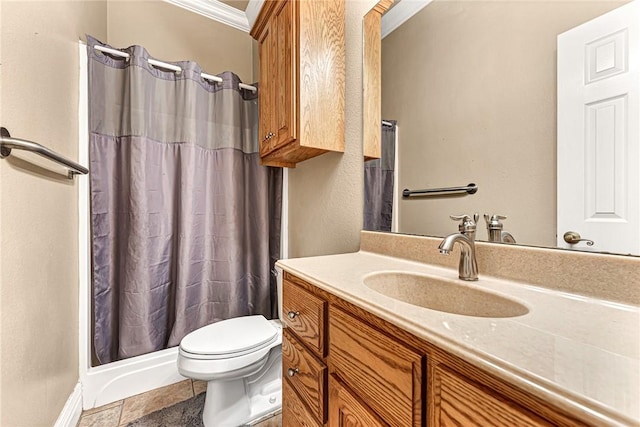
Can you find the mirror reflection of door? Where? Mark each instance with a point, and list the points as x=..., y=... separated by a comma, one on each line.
x=599, y=133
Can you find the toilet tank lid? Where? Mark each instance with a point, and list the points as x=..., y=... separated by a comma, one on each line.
x=235, y=335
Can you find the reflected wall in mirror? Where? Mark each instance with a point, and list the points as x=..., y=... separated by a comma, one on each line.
x=473, y=88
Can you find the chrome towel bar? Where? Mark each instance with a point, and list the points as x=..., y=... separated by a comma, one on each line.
x=7, y=143
x=468, y=189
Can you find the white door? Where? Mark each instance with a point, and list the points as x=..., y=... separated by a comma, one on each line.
x=598, y=132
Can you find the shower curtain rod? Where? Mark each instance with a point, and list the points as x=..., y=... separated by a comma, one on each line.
x=386, y=123
x=171, y=67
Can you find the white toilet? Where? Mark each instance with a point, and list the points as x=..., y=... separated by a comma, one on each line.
x=241, y=360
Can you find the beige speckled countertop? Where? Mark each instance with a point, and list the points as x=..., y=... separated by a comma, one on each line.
x=580, y=353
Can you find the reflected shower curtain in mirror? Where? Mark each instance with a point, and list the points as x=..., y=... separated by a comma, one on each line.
x=378, y=183
x=185, y=222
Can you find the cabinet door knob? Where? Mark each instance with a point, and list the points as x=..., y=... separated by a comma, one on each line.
x=293, y=314
x=292, y=371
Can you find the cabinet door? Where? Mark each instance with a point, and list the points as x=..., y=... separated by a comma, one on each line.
x=345, y=410
x=294, y=412
x=266, y=96
x=286, y=73
x=458, y=401
x=382, y=371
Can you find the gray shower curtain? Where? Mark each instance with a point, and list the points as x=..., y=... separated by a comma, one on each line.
x=185, y=221
x=378, y=183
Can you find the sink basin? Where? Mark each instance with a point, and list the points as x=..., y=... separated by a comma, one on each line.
x=450, y=296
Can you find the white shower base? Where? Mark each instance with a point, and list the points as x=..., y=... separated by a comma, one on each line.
x=118, y=380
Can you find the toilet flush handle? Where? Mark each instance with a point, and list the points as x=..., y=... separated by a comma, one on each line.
x=293, y=314
x=291, y=372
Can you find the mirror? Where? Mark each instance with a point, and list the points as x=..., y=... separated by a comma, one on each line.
x=473, y=87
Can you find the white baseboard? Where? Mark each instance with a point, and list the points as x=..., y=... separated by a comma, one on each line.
x=118, y=380
x=72, y=410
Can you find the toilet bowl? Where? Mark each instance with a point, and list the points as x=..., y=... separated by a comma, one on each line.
x=241, y=360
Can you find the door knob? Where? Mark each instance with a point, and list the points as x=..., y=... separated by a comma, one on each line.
x=572, y=238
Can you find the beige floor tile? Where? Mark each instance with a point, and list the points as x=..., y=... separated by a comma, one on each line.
x=275, y=421
x=106, y=418
x=101, y=408
x=199, y=387
x=146, y=403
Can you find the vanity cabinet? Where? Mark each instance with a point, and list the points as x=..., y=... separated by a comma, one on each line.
x=302, y=80
x=344, y=366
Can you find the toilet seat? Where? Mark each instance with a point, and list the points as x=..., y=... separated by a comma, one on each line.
x=230, y=338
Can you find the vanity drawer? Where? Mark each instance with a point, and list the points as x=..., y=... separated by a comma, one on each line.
x=294, y=412
x=304, y=313
x=306, y=374
x=385, y=374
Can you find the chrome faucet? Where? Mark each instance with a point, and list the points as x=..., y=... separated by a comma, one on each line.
x=468, y=268
x=494, y=229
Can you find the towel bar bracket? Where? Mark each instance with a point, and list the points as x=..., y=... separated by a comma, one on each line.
x=4, y=151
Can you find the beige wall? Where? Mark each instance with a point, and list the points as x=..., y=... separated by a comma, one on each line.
x=326, y=192
x=473, y=87
x=38, y=216
x=171, y=33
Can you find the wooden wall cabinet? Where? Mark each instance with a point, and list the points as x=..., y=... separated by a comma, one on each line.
x=372, y=81
x=344, y=366
x=302, y=79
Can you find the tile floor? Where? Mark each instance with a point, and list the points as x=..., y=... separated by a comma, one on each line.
x=122, y=412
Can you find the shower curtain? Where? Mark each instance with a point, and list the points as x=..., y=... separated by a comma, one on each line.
x=185, y=222
x=378, y=183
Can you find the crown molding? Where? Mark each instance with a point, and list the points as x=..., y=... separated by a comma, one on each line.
x=253, y=10
x=400, y=13
x=217, y=11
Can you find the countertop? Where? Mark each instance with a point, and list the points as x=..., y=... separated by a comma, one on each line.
x=581, y=354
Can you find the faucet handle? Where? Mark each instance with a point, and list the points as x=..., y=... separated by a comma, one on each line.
x=465, y=217
x=467, y=223
x=494, y=220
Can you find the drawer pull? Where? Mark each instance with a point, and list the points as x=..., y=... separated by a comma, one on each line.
x=291, y=372
x=293, y=314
